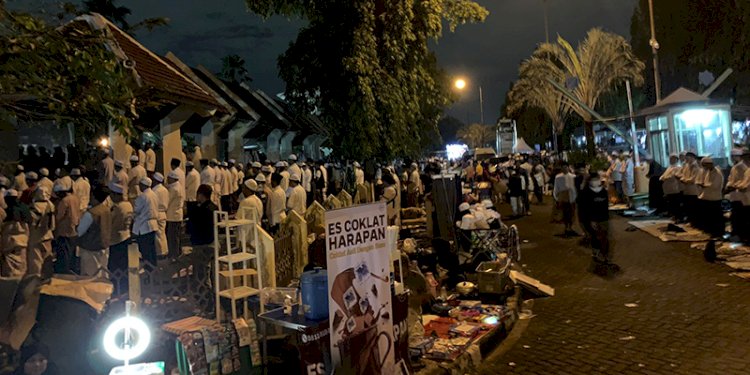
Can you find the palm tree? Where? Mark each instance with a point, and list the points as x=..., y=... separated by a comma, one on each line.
x=476, y=135
x=601, y=62
x=119, y=15
x=233, y=69
x=546, y=98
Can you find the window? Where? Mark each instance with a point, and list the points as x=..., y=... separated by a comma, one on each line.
x=659, y=132
x=704, y=131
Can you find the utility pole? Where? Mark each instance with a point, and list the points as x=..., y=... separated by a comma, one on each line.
x=546, y=22
x=654, y=50
x=481, y=106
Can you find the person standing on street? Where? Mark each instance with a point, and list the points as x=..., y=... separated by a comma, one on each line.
x=564, y=193
x=281, y=170
x=736, y=176
x=81, y=189
x=251, y=201
x=27, y=196
x=689, y=175
x=39, y=254
x=122, y=219
x=145, y=221
x=162, y=201
x=44, y=180
x=297, y=197
x=276, y=210
x=202, y=230
x=307, y=181
x=593, y=213
x=67, y=216
x=136, y=174
x=106, y=168
x=14, y=236
x=670, y=185
x=414, y=186
x=150, y=162
x=174, y=214
x=628, y=178
x=615, y=174
x=710, y=198
x=192, y=181
x=120, y=177
x=19, y=181
x=95, y=234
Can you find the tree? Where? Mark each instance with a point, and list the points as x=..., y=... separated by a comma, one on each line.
x=366, y=66
x=233, y=69
x=600, y=63
x=65, y=74
x=476, y=135
x=119, y=15
x=448, y=127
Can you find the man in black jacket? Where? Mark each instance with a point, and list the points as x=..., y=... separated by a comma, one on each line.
x=593, y=213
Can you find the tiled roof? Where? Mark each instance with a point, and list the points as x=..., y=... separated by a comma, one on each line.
x=154, y=71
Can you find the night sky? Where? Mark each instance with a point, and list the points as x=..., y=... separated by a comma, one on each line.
x=488, y=54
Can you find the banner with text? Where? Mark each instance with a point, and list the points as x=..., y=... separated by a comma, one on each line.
x=359, y=287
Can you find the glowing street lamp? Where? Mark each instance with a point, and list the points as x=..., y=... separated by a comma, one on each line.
x=460, y=84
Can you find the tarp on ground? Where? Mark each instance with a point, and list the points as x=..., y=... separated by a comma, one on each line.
x=658, y=229
x=523, y=148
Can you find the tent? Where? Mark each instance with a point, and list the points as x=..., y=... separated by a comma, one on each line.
x=523, y=148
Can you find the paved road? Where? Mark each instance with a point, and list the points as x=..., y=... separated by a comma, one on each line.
x=684, y=323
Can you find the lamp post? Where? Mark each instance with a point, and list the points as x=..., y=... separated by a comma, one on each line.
x=654, y=50
x=460, y=85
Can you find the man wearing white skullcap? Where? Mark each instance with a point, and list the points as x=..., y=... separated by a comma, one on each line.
x=145, y=221
x=122, y=220
x=106, y=168
x=20, y=179
x=44, y=180
x=120, y=177
x=297, y=201
x=67, y=216
x=192, y=181
x=294, y=167
x=162, y=199
x=39, y=253
x=81, y=189
x=670, y=184
x=281, y=169
x=136, y=174
x=712, y=216
x=734, y=182
x=95, y=234
x=14, y=232
x=174, y=214
x=251, y=203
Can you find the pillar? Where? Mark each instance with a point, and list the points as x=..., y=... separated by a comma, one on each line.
x=272, y=147
x=171, y=137
x=285, y=145
x=209, y=138
x=236, y=140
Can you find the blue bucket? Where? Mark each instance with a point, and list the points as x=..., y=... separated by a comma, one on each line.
x=314, y=285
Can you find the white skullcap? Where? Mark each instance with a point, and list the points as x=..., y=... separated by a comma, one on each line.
x=266, y=168
x=414, y=165
x=251, y=184
x=115, y=188
x=32, y=176
x=173, y=174
x=302, y=164
x=158, y=177
x=279, y=164
x=145, y=181
x=118, y=163
x=11, y=193
x=232, y=161
x=707, y=160
x=626, y=153
x=63, y=184
x=614, y=153
x=356, y=164
x=75, y=172
x=463, y=207
x=293, y=157
x=189, y=164
x=736, y=152
x=134, y=158
x=20, y=167
x=260, y=177
x=44, y=172
x=214, y=161
x=4, y=181
x=224, y=164
x=256, y=164
x=673, y=155
x=487, y=203
x=294, y=177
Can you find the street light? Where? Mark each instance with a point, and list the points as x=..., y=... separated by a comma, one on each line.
x=460, y=84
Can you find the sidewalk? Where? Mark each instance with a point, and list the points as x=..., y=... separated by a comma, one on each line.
x=684, y=316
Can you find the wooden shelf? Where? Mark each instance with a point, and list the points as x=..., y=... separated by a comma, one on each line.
x=234, y=223
x=239, y=272
x=239, y=292
x=236, y=257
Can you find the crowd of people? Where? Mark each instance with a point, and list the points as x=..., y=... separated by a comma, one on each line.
x=82, y=218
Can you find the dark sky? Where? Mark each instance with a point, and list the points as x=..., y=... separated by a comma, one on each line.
x=488, y=54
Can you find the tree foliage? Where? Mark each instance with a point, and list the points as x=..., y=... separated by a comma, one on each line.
x=476, y=135
x=366, y=66
x=63, y=74
x=601, y=62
